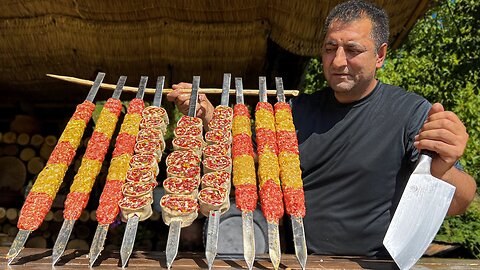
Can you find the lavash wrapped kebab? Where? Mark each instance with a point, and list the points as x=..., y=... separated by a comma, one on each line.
x=215, y=136
x=149, y=147
x=188, y=143
x=220, y=180
x=215, y=150
x=185, y=157
x=219, y=123
x=189, y=131
x=155, y=112
x=179, y=207
x=152, y=134
x=145, y=161
x=186, y=121
x=212, y=199
x=140, y=206
x=138, y=189
x=181, y=186
x=223, y=112
x=217, y=163
x=143, y=175
x=190, y=171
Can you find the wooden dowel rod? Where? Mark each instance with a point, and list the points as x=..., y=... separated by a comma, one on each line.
x=247, y=92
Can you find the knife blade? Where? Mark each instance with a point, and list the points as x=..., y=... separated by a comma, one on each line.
x=192, y=109
x=419, y=215
x=62, y=240
x=141, y=87
x=172, y=241
x=17, y=245
x=157, y=99
x=96, y=85
x=128, y=239
x=98, y=243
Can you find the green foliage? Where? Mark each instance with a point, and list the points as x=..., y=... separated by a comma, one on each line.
x=440, y=61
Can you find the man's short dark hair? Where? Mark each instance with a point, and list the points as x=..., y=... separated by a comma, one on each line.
x=353, y=10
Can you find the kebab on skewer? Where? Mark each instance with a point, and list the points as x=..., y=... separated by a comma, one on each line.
x=92, y=160
x=271, y=197
x=40, y=198
x=111, y=195
x=137, y=191
x=290, y=172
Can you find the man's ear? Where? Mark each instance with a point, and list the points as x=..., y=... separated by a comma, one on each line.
x=381, y=55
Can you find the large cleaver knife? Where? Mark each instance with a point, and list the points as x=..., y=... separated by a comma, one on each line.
x=419, y=215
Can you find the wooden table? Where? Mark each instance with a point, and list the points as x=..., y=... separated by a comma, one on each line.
x=74, y=259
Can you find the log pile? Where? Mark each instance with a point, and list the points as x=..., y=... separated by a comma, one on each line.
x=22, y=157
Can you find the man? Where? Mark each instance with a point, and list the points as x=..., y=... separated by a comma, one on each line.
x=359, y=139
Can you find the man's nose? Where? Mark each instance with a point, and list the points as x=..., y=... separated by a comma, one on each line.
x=340, y=59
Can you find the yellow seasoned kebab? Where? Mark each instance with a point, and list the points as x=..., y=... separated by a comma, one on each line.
x=92, y=161
x=244, y=178
x=41, y=196
x=289, y=161
x=108, y=208
x=268, y=170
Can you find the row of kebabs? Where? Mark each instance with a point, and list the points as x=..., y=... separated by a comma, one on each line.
x=132, y=174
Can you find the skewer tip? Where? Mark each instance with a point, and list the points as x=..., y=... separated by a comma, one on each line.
x=10, y=260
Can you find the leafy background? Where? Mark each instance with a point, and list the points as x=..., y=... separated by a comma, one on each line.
x=440, y=61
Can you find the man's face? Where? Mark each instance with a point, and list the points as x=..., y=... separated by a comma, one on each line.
x=350, y=59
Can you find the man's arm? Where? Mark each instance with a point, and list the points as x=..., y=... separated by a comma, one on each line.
x=444, y=134
x=182, y=100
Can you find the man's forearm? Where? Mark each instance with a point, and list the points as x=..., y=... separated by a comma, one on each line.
x=464, y=193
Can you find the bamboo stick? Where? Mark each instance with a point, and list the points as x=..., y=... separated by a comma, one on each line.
x=247, y=92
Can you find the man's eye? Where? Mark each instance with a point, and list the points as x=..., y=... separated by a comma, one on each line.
x=329, y=50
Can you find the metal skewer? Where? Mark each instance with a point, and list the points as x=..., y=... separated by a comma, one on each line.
x=22, y=235
x=214, y=215
x=247, y=217
x=297, y=222
x=102, y=229
x=67, y=226
x=176, y=225
x=273, y=232
x=129, y=239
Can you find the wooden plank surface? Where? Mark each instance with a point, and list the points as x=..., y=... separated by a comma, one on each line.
x=32, y=259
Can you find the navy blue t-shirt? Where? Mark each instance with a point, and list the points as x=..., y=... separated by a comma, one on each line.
x=355, y=159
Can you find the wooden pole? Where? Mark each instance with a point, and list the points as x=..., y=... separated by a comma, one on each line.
x=246, y=92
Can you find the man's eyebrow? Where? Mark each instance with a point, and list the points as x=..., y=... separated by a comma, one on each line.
x=331, y=42
x=355, y=45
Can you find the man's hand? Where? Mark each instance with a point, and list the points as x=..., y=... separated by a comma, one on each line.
x=444, y=134
x=182, y=100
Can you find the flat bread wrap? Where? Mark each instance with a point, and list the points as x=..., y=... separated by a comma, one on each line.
x=140, y=206
x=179, y=207
x=220, y=163
x=181, y=186
x=211, y=199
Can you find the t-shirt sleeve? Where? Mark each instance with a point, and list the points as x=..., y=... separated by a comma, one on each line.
x=418, y=116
